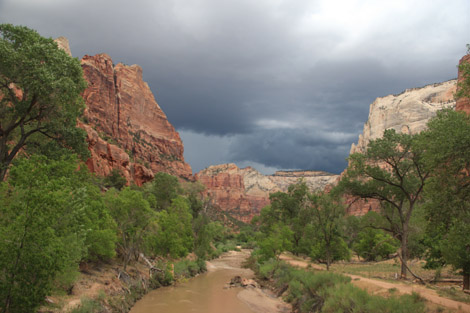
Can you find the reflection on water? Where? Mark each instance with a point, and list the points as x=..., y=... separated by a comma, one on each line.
x=204, y=293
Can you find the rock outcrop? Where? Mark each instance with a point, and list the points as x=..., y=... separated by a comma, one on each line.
x=122, y=114
x=126, y=128
x=243, y=192
x=463, y=103
x=406, y=112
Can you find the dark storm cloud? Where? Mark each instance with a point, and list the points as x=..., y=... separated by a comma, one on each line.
x=294, y=149
x=279, y=84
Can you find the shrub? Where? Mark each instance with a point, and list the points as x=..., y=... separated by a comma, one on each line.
x=201, y=263
x=266, y=270
x=329, y=292
x=187, y=268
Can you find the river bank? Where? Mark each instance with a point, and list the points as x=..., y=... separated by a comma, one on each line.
x=102, y=287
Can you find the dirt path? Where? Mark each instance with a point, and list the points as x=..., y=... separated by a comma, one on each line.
x=378, y=286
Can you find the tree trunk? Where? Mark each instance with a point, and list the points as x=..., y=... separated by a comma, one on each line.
x=3, y=171
x=328, y=257
x=466, y=281
x=404, y=255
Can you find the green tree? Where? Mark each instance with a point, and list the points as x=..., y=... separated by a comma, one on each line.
x=292, y=209
x=164, y=187
x=374, y=244
x=115, y=179
x=49, y=221
x=40, y=87
x=134, y=220
x=447, y=153
x=278, y=240
x=392, y=171
x=175, y=236
x=327, y=221
x=193, y=191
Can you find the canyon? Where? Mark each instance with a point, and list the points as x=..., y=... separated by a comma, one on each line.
x=128, y=131
x=243, y=192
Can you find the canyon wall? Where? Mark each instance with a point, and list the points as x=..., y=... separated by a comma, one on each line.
x=126, y=128
x=406, y=112
x=243, y=192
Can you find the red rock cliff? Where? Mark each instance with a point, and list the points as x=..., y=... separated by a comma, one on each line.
x=126, y=127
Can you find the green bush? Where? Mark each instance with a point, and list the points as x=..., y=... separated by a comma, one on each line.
x=187, y=268
x=164, y=278
x=342, y=298
x=266, y=270
x=202, y=265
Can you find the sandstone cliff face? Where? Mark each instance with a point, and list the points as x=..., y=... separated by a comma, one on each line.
x=126, y=128
x=243, y=192
x=122, y=112
x=407, y=112
x=463, y=104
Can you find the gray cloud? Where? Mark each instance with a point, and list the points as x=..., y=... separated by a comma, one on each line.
x=275, y=84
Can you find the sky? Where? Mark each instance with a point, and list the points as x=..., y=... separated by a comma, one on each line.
x=277, y=85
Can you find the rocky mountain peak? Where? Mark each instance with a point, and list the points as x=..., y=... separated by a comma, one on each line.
x=407, y=112
x=126, y=128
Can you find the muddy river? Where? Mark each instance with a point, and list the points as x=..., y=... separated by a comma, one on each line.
x=208, y=292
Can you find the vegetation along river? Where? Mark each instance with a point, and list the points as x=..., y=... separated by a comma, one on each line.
x=208, y=293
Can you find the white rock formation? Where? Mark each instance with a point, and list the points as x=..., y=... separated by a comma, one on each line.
x=406, y=112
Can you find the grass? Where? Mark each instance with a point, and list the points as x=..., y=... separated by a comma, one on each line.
x=454, y=294
x=390, y=270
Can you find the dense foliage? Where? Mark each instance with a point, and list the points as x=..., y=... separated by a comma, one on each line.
x=51, y=218
x=303, y=223
x=40, y=101
x=447, y=152
x=54, y=216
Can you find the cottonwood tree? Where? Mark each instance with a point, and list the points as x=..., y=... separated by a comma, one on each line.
x=40, y=87
x=393, y=172
x=291, y=208
x=326, y=221
x=134, y=220
x=447, y=152
x=175, y=234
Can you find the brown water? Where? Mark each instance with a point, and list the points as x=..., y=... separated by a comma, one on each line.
x=206, y=293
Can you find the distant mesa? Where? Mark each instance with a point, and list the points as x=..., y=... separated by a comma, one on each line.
x=243, y=192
